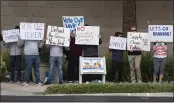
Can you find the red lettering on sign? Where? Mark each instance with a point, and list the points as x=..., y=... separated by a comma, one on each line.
x=82, y=28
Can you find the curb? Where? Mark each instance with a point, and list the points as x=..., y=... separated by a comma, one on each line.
x=119, y=94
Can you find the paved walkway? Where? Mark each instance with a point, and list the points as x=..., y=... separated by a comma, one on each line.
x=18, y=90
x=34, y=90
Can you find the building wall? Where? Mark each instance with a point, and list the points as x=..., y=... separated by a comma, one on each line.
x=155, y=13
x=106, y=14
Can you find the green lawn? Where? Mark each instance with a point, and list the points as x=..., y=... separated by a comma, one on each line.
x=109, y=88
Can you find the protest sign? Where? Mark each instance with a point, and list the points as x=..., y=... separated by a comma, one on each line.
x=32, y=31
x=87, y=35
x=58, y=36
x=73, y=21
x=92, y=65
x=161, y=33
x=117, y=43
x=10, y=35
x=138, y=41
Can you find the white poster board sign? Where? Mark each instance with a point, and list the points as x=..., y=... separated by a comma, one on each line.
x=10, y=35
x=58, y=36
x=32, y=31
x=161, y=33
x=92, y=65
x=117, y=43
x=72, y=21
x=138, y=41
x=87, y=35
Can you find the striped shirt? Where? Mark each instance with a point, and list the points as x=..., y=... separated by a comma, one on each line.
x=160, y=50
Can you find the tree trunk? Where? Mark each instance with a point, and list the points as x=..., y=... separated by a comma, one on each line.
x=129, y=15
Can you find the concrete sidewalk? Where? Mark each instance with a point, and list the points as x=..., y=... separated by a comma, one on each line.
x=17, y=90
x=34, y=90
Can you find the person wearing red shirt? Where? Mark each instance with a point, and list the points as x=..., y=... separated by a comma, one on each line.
x=75, y=51
x=159, y=60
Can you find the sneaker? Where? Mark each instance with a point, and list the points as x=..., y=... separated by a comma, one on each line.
x=39, y=84
x=25, y=84
x=11, y=82
x=87, y=82
x=70, y=82
x=99, y=81
x=46, y=83
x=133, y=82
x=139, y=82
x=18, y=82
x=46, y=79
x=60, y=82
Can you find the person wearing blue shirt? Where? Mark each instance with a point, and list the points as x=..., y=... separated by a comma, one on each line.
x=117, y=62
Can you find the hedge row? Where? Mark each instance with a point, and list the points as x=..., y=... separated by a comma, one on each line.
x=108, y=88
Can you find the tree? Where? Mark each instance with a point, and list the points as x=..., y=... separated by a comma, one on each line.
x=129, y=15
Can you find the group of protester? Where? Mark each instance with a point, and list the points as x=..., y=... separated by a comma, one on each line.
x=32, y=59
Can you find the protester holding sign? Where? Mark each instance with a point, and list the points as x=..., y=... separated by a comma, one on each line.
x=15, y=59
x=117, y=61
x=159, y=59
x=134, y=57
x=31, y=52
x=73, y=60
x=90, y=51
x=56, y=56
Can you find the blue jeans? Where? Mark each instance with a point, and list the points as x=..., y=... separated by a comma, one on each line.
x=15, y=63
x=32, y=60
x=53, y=62
x=159, y=65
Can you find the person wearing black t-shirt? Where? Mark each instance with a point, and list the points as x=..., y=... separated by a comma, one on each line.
x=134, y=58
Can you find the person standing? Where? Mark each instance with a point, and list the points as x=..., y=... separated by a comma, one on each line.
x=134, y=58
x=31, y=52
x=73, y=60
x=91, y=51
x=159, y=60
x=15, y=59
x=117, y=62
x=56, y=57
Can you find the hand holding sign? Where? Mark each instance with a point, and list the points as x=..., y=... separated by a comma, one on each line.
x=87, y=35
x=58, y=36
x=32, y=31
x=10, y=35
x=138, y=41
x=99, y=36
x=161, y=32
x=72, y=22
x=117, y=43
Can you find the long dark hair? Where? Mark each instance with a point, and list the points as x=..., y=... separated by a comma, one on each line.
x=118, y=33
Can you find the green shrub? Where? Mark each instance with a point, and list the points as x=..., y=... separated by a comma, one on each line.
x=44, y=54
x=6, y=58
x=146, y=67
x=109, y=88
x=3, y=68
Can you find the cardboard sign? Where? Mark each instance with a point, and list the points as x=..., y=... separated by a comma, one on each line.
x=117, y=43
x=10, y=35
x=73, y=21
x=161, y=33
x=92, y=65
x=87, y=35
x=32, y=31
x=138, y=41
x=58, y=36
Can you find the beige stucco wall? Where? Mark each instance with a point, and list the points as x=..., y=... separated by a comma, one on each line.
x=106, y=14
